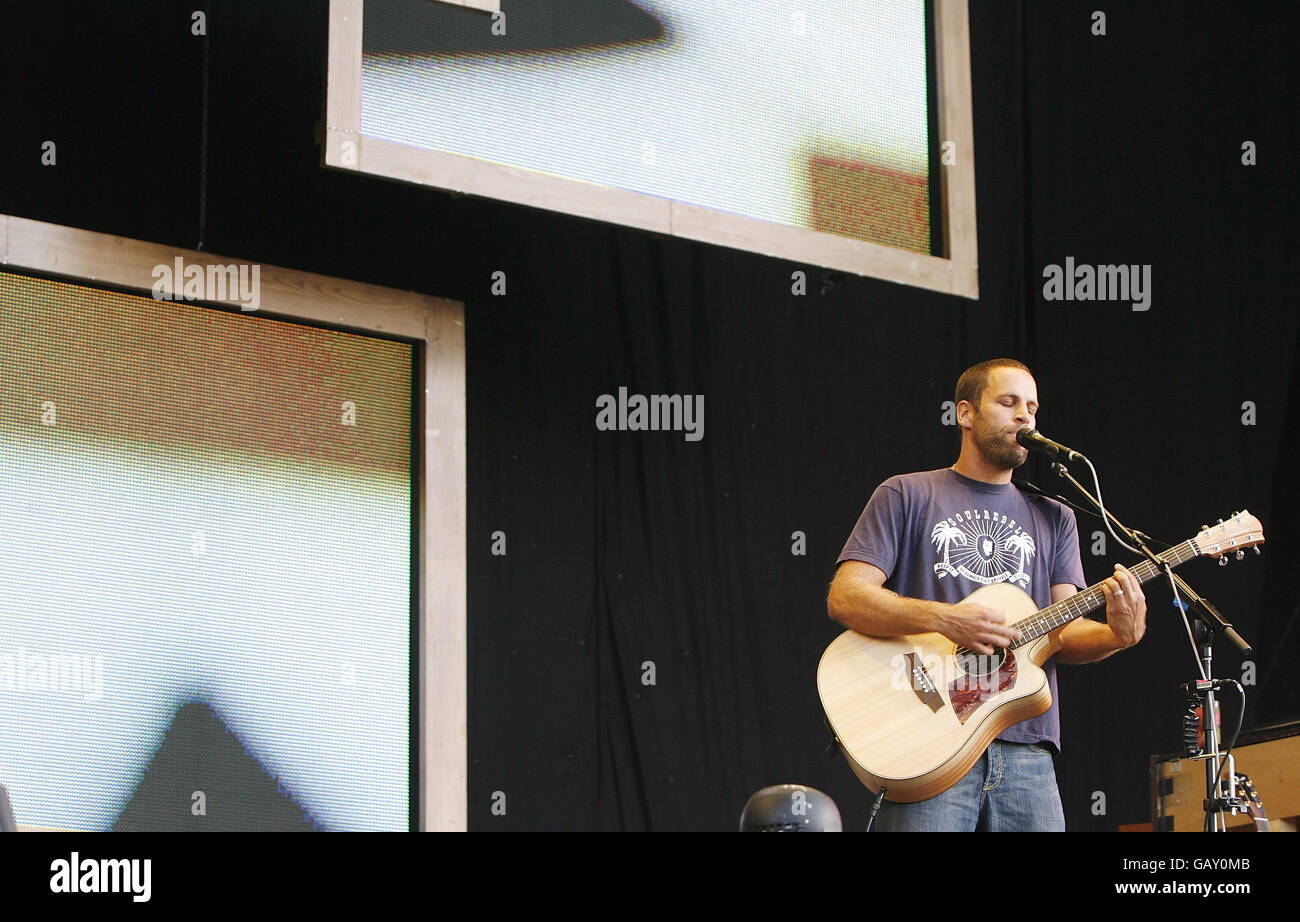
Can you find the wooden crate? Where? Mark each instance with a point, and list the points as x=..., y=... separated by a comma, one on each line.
x=1270, y=756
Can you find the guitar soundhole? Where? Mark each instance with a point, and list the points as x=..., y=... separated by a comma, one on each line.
x=980, y=664
x=983, y=677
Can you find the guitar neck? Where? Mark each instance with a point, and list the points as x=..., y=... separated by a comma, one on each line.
x=1094, y=597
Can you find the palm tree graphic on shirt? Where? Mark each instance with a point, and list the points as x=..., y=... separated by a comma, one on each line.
x=943, y=535
x=1022, y=544
x=984, y=549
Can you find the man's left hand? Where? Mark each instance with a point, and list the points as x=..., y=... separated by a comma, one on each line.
x=1126, y=606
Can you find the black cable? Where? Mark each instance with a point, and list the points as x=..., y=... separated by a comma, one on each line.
x=875, y=807
x=203, y=145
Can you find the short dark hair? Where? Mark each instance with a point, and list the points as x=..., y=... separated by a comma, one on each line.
x=971, y=384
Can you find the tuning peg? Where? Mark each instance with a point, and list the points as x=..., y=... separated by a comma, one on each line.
x=1240, y=554
x=1205, y=528
x=1220, y=521
x=1223, y=561
x=1256, y=551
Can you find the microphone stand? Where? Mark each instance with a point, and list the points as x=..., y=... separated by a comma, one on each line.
x=1210, y=622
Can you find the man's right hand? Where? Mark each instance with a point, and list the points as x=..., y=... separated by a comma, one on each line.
x=976, y=626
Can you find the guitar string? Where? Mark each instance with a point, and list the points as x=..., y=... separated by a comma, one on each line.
x=1046, y=620
x=1081, y=603
x=1050, y=618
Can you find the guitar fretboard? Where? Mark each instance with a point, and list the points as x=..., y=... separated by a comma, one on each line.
x=1081, y=603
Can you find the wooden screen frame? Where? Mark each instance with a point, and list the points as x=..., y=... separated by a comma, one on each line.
x=956, y=273
x=489, y=6
x=439, y=324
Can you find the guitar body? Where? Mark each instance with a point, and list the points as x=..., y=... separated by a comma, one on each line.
x=912, y=714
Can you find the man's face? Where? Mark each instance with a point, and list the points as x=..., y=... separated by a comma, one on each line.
x=1008, y=404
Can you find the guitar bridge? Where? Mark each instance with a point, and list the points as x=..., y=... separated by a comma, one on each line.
x=923, y=685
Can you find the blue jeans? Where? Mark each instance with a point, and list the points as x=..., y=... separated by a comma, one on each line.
x=1012, y=788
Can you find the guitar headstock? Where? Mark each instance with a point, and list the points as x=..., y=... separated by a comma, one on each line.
x=1240, y=531
x=1253, y=806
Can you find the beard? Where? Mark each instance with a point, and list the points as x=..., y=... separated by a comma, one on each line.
x=993, y=445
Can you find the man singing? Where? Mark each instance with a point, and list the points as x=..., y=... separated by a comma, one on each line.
x=927, y=540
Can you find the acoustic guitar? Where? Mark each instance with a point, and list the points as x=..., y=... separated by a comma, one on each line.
x=915, y=712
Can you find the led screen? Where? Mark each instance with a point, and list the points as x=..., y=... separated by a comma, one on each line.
x=811, y=116
x=205, y=555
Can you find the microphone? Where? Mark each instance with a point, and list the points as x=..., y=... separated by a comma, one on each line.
x=1033, y=439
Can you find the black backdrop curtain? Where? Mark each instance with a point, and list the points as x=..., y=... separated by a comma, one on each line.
x=629, y=553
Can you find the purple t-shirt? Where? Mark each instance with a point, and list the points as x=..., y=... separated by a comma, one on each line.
x=939, y=535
